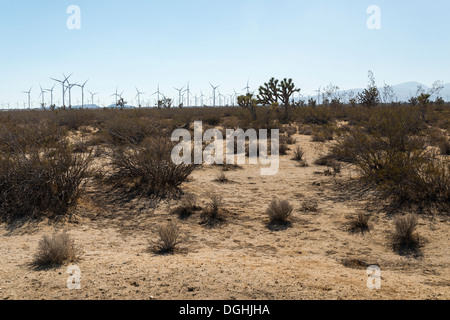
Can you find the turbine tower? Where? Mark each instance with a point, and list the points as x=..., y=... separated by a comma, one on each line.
x=188, y=93
x=214, y=93
x=179, y=95
x=63, y=85
x=29, y=97
x=139, y=96
x=158, y=93
x=51, y=95
x=247, y=87
x=82, y=93
x=42, y=94
x=92, y=97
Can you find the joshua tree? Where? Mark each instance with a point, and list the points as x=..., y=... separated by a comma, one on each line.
x=275, y=91
x=121, y=103
x=249, y=103
x=269, y=93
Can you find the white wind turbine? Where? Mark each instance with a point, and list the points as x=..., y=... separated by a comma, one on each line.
x=42, y=94
x=214, y=93
x=92, y=97
x=158, y=93
x=139, y=96
x=29, y=97
x=82, y=93
x=51, y=95
x=180, y=100
x=63, y=85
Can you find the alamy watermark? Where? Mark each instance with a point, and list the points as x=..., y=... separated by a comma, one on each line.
x=374, y=20
x=374, y=277
x=74, y=20
x=235, y=152
x=74, y=280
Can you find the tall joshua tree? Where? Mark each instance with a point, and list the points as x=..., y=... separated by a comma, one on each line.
x=274, y=92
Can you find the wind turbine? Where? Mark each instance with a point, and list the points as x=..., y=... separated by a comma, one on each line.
x=82, y=93
x=29, y=97
x=69, y=87
x=214, y=93
x=247, y=87
x=63, y=84
x=158, y=93
x=201, y=97
x=51, y=95
x=117, y=96
x=92, y=97
x=179, y=96
x=318, y=95
x=139, y=96
x=220, y=100
x=188, y=93
x=42, y=94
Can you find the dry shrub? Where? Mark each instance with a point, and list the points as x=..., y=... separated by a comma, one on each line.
x=127, y=130
x=187, y=207
x=222, y=178
x=359, y=222
x=322, y=134
x=42, y=181
x=214, y=213
x=148, y=168
x=310, y=206
x=169, y=238
x=392, y=158
x=298, y=156
x=56, y=250
x=279, y=211
x=284, y=148
x=405, y=236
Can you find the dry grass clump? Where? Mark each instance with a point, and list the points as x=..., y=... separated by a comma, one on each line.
x=148, y=168
x=310, y=206
x=168, y=238
x=214, y=215
x=222, y=178
x=279, y=212
x=298, y=156
x=359, y=223
x=405, y=236
x=56, y=249
x=42, y=181
x=187, y=207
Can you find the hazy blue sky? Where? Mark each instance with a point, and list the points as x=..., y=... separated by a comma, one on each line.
x=143, y=43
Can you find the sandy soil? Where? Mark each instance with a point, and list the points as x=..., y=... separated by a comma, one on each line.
x=316, y=258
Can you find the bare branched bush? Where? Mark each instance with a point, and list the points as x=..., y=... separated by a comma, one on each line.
x=395, y=160
x=127, y=130
x=279, y=211
x=56, y=250
x=42, y=181
x=149, y=168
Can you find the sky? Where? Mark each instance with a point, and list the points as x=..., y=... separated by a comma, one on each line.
x=145, y=43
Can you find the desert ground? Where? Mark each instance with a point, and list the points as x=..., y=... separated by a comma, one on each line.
x=316, y=257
